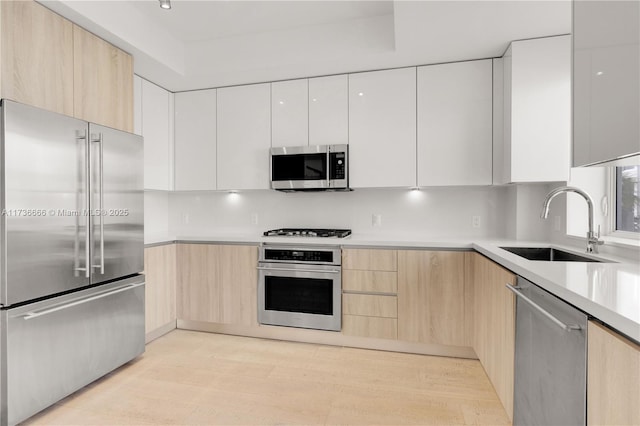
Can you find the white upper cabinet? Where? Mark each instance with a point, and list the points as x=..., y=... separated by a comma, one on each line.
x=195, y=140
x=329, y=110
x=290, y=113
x=157, y=130
x=244, y=137
x=455, y=124
x=606, y=80
x=382, y=128
x=537, y=110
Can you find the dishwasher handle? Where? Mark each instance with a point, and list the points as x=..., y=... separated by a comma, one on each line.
x=565, y=327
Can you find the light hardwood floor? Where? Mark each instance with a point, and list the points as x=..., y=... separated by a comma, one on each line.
x=189, y=377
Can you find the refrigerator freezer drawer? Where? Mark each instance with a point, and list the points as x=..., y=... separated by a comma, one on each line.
x=55, y=347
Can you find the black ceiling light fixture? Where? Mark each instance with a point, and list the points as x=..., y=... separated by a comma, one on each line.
x=165, y=4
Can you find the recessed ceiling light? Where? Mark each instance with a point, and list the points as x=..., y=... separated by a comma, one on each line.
x=165, y=4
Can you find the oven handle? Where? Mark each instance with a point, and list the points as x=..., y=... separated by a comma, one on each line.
x=330, y=271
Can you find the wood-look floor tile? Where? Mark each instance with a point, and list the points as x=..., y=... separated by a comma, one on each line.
x=200, y=378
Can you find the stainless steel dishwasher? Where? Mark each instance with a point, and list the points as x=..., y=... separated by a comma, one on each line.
x=550, y=359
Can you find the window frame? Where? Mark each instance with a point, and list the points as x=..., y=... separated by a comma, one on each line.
x=611, y=206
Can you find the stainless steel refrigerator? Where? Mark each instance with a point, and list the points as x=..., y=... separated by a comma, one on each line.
x=71, y=253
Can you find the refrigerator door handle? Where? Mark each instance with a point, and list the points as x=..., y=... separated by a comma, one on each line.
x=82, y=136
x=100, y=212
x=36, y=314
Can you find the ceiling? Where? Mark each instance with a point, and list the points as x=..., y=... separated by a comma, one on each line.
x=204, y=20
x=201, y=44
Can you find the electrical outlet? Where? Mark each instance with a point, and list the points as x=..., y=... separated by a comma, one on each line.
x=185, y=218
x=556, y=223
x=254, y=218
x=475, y=221
x=376, y=220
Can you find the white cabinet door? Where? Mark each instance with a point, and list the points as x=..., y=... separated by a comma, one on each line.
x=137, y=105
x=290, y=113
x=156, y=127
x=382, y=128
x=537, y=131
x=455, y=124
x=606, y=81
x=329, y=110
x=244, y=137
x=195, y=140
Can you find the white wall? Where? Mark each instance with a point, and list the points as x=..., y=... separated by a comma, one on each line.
x=522, y=209
x=156, y=215
x=433, y=212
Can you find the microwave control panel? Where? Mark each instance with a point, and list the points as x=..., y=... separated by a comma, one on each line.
x=337, y=169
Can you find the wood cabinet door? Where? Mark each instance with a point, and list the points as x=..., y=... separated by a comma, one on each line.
x=431, y=297
x=160, y=296
x=36, y=56
x=103, y=82
x=613, y=378
x=217, y=283
x=494, y=325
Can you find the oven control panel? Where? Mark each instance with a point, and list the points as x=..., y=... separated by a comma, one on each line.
x=329, y=256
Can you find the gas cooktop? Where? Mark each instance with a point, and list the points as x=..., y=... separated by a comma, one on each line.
x=302, y=232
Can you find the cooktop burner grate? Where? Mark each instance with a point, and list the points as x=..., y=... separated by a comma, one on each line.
x=302, y=232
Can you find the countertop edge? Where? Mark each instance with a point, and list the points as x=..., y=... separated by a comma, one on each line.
x=615, y=320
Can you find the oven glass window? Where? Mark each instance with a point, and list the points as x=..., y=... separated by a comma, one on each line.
x=303, y=295
x=299, y=167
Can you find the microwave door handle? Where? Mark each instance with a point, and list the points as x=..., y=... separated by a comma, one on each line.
x=328, y=167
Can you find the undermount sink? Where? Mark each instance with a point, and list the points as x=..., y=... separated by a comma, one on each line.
x=548, y=254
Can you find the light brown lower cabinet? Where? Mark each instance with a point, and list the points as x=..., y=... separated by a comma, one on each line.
x=376, y=327
x=494, y=325
x=431, y=297
x=217, y=283
x=613, y=378
x=370, y=283
x=160, y=293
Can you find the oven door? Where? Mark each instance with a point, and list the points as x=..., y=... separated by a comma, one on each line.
x=300, y=167
x=299, y=295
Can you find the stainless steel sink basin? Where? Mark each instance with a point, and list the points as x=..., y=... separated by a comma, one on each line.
x=548, y=254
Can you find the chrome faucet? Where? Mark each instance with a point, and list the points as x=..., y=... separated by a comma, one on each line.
x=593, y=240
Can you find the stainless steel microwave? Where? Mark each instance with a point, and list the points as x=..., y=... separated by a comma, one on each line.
x=310, y=167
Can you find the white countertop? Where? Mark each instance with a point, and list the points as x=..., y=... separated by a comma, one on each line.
x=609, y=292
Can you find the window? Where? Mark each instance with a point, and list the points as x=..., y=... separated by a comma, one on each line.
x=627, y=199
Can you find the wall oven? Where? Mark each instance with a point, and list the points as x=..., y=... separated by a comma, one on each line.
x=310, y=167
x=300, y=286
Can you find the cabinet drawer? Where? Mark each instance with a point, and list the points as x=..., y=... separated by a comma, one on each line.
x=370, y=305
x=381, y=328
x=370, y=259
x=370, y=281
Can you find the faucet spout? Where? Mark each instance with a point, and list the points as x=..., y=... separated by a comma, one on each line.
x=592, y=239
